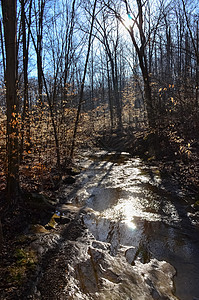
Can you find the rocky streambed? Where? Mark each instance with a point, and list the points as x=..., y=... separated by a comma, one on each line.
x=121, y=232
x=82, y=267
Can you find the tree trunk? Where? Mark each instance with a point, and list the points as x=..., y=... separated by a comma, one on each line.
x=2, y=51
x=9, y=19
x=147, y=87
x=197, y=66
x=68, y=48
x=141, y=52
x=39, y=48
x=109, y=97
x=83, y=82
x=25, y=115
x=1, y=237
x=49, y=103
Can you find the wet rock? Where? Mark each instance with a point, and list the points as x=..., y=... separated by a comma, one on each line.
x=39, y=249
x=43, y=243
x=158, y=276
x=142, y=254
x=68, y=208
x=88, y=210
x=100, y=245
x=98, y=275
x=130, y=255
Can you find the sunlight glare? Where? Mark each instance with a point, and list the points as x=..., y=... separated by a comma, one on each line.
x=130, y=224
x=128, y=21
x=128, y=216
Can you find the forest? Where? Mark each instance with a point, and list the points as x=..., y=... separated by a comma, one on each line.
x=79, y=76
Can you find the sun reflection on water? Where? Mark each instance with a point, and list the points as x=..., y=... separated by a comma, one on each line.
x=128, y=213
x=131, y=225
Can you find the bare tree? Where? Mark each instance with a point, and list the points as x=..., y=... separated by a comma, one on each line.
x=195, y=47
x=140, y=44
x=39, y=7
x=2, y=49
x=10, y=27
x=83, y=80
x=26, y=43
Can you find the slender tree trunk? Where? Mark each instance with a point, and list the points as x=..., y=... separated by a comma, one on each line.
x=141, y=52
x=113, y=64
x=197, y=65
x=1, y=237
x=83, y=82
x=68, y=48
x=195, y=47
x=117, y=95
x=25, y=114
x=49, y=103
x=109, y=97
x=53, y=122
x=2, y=51
x=39, y=48
x=92, y=79
x=147, y=87
x=9, y=19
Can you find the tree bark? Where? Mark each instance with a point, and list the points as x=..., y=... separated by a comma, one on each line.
x=109, y=96
x=9, y=19
x=1, y=237
x=83, y=82
x=25, y=115
x=68, y=48
x=2, y=50
x=39, y=48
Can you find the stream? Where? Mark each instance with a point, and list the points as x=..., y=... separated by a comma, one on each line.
x=138, y=213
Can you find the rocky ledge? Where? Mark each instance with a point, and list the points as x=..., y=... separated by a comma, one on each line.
x=72, y=264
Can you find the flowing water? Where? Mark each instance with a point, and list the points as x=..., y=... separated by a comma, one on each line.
x=134, y=208
x=142, y=230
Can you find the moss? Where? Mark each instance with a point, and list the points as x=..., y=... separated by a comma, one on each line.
x=23, y=239
x=19, y=253
x=196, y=204
x=75, y=171
x=25, y=260
x=151, y=158
x=16, y=274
